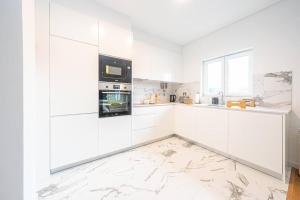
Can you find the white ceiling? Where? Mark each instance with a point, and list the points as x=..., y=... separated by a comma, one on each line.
x=182, y=21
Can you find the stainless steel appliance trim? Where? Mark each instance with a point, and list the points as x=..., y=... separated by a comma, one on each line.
x=114, y=86
x=116, y=92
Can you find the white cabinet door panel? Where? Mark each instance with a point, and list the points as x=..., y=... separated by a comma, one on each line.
x=165, y=119
x=144, y=121
x=156, y=63
x=211, y=128
x=185, y=121
x=73, y=25
x=256, y=138
x=115, y=133
x=115, y=39
x=73, y=77
x=73, y=139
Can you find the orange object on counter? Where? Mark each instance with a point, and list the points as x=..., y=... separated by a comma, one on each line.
x=241, y=104
x=252, y=103
x=188, y=101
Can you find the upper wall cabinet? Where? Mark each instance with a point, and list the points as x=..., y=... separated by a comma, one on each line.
x=73, y=77
x=67, y=23
x=156, y=63
x=115, y=39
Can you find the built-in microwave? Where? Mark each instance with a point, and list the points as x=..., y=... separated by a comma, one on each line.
x=114, y=69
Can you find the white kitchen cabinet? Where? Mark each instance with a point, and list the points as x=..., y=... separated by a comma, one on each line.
x=73, y=77
x=257, y=138
x=68, y=23
x=185, y=121
x=115, y=39
x=211, y=128
x=73, y=139
x=114, y=134
x=150, y=123
x=156, y=63
x=165, y=119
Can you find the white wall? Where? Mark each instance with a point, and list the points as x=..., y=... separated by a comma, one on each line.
x=11, y=101
x=17, y=119
x=274, y=34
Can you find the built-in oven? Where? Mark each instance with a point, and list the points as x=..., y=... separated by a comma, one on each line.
x=114, y=69
x=114, y=99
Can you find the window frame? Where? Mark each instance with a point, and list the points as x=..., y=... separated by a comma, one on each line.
x=224, y=59
x=204, y=77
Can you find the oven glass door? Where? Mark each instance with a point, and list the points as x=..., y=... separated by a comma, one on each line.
x=114, y=103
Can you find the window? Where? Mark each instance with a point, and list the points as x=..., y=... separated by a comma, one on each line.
x=231, y=75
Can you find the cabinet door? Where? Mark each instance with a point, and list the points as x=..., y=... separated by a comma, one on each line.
x=73, y=25
x=211, y=128
x=184, y=121
x=73, y=77
x=115, y=134
x=156, y=63
x=256, y=138
x=115, y=39
x=144, y=135
x=165, y=119
x=73, y=139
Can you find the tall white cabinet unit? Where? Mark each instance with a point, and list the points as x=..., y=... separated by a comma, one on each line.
x=73, y=87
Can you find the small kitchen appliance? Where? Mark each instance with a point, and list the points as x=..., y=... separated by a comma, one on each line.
x=172, y=98
x=215, y=100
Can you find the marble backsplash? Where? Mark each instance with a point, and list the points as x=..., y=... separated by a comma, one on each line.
x=273, y=89
x=269, y=90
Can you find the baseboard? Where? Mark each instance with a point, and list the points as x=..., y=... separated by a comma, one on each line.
x=293, y=164
x=244, y=162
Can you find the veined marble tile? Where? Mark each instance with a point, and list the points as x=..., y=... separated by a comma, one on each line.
x=274, y=89
x=169, y=169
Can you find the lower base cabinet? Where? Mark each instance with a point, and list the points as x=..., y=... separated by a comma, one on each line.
x=151, y=123
x=185, y=121
x=252, y=137
x=211, y=128
x=257, y=138
x=73, y=138
x=114, y=134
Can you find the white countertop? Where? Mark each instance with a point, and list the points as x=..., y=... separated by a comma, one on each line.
x=284, y=110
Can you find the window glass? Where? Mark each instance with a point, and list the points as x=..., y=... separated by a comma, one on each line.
x=238, y=75
x=230, y=74
x=213, y=77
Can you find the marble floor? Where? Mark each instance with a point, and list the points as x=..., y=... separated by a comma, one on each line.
x=169, y=169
